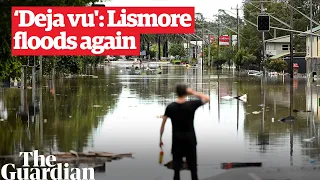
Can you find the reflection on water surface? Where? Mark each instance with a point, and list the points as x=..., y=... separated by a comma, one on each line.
x=117, y=112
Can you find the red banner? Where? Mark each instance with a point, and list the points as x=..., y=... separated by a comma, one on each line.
x=224, y=40
x=93, y=30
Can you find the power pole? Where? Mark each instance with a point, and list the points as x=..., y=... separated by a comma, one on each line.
x=189, y=50
x=263, y=44
x=238, y=30
x=311, y=37
x=218, y=36
x=291, y=63
x=202, y=46
x=209, y=51
x=291, y=44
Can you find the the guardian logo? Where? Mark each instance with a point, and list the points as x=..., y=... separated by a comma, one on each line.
x=44, y=168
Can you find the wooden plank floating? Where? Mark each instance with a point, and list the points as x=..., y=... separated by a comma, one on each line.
x=80, y=157
x=240, y=165
x=169, y=165
x=89, y=156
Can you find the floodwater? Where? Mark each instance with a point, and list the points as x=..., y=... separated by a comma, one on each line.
x=117, y=112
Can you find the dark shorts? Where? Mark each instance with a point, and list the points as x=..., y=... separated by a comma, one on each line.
x=188, y=152
x=184, y=147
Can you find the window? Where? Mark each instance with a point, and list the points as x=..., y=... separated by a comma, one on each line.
x=285, y=47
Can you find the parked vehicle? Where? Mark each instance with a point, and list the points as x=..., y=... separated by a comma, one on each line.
x=255, y=73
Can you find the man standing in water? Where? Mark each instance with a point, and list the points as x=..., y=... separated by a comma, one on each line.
x=184, y=142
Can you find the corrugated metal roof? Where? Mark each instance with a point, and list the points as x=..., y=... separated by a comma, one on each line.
x=286, y=54
x=281, y=39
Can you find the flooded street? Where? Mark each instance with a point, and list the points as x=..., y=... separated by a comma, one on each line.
x=118, y=113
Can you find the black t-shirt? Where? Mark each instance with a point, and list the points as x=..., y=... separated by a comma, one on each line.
x=182, y=119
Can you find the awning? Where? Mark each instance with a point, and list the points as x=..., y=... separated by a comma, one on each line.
x=287, y=54
x=279, y=55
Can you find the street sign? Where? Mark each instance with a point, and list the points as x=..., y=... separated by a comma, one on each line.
x=234, y=39
x=212, y=39
x=264, y=23
x=224, y=40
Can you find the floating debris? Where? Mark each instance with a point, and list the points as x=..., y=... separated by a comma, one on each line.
x=1, y=119
x=272, y=119
x=70, y=116
x=313, y=161
x=227, y=97
x=240, y=165
x=256, y=112
x=289, y=119
x=81, y=157
x=309, y=148
x=74, y=153
x=170, y=166
x=309, y=140
x=242, y=98
x=96, y=106
x=300, y=110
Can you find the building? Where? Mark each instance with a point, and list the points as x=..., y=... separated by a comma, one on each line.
x=277, y=46
x=312, y=62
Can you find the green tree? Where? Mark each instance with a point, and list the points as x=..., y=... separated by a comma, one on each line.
x=219, y=61
x=213, y=52
x=277, y=65
x=244, y=58
x=228, y=54
x=176, y=50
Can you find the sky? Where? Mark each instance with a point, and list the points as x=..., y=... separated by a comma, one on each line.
x=206, y=7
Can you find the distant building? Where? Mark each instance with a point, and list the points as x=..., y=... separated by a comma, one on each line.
x=277, y=46
x=195, y=48
x=313, y=64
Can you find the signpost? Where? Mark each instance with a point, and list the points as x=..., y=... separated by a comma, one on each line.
x=224, y=40
x=212, y=39
x=234, y=39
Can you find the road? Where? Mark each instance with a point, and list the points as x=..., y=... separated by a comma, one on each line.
x=289, y=173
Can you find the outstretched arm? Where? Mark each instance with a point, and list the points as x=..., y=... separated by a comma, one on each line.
x=164, y=120
x=203, y=97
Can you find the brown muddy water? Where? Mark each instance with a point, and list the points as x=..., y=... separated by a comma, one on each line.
x=117, y=112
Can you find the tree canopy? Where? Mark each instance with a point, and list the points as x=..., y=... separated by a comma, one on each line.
x=10, y=66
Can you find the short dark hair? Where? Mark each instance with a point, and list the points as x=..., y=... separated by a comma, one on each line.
x=181, y=90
